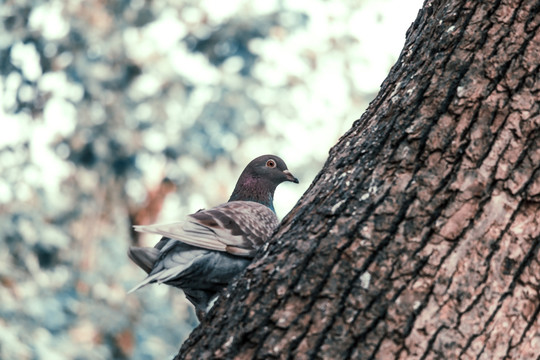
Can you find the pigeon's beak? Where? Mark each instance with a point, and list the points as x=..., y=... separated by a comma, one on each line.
x=290, y=176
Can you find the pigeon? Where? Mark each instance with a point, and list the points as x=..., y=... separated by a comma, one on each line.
x=203, y=253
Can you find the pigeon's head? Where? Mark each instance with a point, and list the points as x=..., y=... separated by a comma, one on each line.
x=260, y=179
x=270, y=168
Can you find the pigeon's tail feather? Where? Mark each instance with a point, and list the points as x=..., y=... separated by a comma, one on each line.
x=144, y=257
x=139, y=285
x=163, y=276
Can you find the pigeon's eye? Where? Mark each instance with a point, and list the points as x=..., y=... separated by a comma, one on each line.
x=271, y=163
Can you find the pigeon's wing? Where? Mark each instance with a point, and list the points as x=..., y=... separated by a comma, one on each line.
x=236, y=227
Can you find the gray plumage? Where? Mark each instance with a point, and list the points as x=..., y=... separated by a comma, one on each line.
x=203, y=253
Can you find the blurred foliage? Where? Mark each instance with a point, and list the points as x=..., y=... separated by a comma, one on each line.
x=123, y=112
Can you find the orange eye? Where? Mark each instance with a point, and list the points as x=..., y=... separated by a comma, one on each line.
x=271, y=163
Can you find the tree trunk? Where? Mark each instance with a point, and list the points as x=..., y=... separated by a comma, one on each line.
x=420, y=237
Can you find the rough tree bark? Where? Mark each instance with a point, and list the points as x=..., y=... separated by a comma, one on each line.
x=420, y=237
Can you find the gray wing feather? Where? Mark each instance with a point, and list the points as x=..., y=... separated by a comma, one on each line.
x=177, y=262
x=144, y=257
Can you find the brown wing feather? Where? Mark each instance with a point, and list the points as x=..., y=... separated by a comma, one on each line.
x=236, y=227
